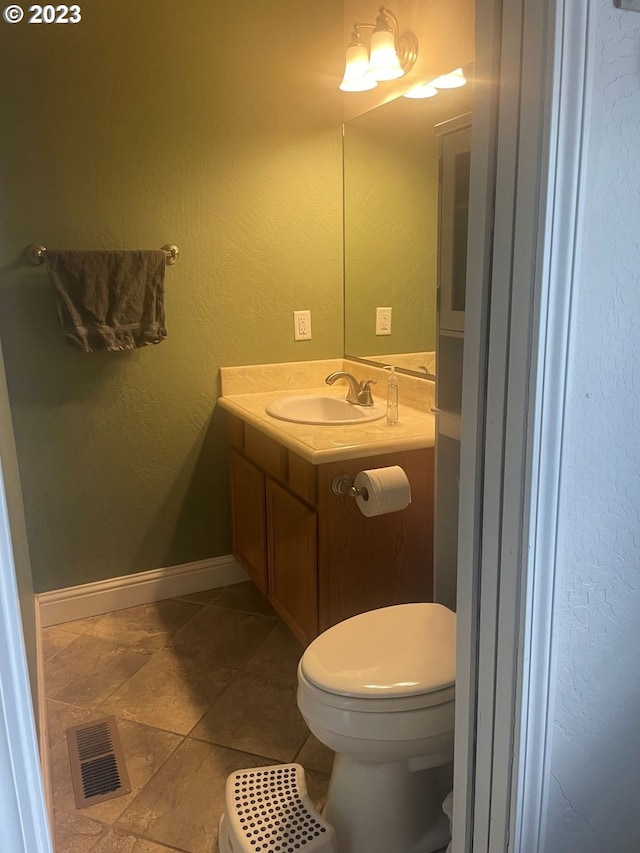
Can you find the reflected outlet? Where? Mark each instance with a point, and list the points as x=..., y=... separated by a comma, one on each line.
x=383, y=321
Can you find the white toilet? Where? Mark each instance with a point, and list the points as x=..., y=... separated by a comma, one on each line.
x=378, y=689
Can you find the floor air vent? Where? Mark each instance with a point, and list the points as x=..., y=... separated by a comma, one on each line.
x=98, y=770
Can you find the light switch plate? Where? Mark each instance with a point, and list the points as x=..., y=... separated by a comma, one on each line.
x=629, y=5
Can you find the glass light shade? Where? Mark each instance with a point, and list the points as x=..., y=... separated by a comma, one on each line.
x=426, y=90
x=384, y=63
x=356, y=71
x=450, y=81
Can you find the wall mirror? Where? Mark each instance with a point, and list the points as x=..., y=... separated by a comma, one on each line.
x=391, y=228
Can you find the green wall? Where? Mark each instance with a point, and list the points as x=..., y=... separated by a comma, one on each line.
x=212, y=126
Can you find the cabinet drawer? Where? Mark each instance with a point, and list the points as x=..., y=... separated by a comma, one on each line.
x=265, y=452
x=235, y=431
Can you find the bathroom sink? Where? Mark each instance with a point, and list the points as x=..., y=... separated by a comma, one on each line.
x=316, y=409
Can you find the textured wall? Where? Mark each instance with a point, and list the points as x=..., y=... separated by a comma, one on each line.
x=213, y=126
x=595, y=758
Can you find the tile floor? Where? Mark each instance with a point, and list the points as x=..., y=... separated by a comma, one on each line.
x=201, y=686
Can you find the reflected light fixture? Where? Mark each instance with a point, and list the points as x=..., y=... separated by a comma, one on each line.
x=424, y=90
x=389, y=56
x=453, y=80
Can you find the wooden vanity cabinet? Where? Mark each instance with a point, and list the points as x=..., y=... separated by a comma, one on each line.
x=248, y=518
x=313, y=553
x=366, y=563
x=293, y=560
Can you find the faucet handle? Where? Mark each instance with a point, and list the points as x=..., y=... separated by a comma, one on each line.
x=364, y=395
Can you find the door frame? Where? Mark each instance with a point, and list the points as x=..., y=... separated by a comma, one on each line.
x=526, y=180
x=23, y=813
x=528, y=155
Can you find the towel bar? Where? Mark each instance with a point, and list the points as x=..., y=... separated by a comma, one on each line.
x=35, y=253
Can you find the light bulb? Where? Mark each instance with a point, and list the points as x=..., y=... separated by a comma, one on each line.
x=356, y=70
x=384, y=63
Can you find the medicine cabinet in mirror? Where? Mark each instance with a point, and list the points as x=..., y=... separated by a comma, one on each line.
x=391, y=229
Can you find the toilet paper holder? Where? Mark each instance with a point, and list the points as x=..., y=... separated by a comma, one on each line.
x=342, y=485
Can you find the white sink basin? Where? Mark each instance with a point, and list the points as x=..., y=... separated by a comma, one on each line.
x=316, y=409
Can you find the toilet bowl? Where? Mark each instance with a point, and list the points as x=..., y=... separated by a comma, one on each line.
x=378, y=689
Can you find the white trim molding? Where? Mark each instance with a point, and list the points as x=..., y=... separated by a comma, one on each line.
x=484, y=131
x=43, y=718
x=23, y=814
x=94, y=599
x=559, y=246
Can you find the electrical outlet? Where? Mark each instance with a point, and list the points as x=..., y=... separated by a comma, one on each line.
x=383, y=321
x=302, y=325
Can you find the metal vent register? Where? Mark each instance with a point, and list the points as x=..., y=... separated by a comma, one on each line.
x=98, y=769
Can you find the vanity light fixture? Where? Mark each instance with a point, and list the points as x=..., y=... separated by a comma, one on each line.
x=389, y=56
x=356, y=70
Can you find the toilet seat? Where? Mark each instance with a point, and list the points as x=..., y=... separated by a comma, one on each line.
x=383, y=705
x=418, y=717
x=398, y=657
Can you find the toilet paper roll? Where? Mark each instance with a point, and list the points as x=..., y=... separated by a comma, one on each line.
x=388, y=490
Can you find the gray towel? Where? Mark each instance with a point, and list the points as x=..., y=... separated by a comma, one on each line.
x=111, y=300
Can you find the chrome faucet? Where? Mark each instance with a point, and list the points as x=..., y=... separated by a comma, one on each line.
x=359, y=392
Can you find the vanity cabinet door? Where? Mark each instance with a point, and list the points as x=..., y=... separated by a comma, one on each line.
x=293, y=562
x=249, y=518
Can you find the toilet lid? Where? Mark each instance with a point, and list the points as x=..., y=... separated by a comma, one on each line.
x=404, y=650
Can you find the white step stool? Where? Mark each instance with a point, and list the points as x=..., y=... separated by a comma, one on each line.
x=268, y=810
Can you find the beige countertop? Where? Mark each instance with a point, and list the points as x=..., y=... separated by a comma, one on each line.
x=317, y=443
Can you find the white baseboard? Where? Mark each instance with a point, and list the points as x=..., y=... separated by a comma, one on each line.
x=94, y=599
